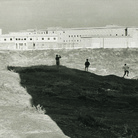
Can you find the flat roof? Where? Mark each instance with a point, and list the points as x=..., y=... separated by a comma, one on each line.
x=104, y=36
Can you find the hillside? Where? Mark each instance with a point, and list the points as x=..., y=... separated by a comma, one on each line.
x=83, y=104
x=17, y=118
x=99, y=103
x=103, y=61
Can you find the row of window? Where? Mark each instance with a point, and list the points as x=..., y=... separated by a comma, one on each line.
x=46, y=32
x=118, y=35
x=17, y=39
x=96, y=34
x=71, y=40
x=74, y=35
x=34, y=44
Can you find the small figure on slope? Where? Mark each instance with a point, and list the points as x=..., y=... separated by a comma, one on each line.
x=87, y=64
x=57, y=60
x=126, y=70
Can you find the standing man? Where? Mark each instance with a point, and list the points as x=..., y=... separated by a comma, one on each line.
x=126, y=70
x=87, y=64
x=57, y=60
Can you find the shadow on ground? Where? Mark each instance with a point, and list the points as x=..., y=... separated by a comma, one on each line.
x=83, y=104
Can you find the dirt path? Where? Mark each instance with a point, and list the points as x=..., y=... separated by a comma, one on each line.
x=17, y=118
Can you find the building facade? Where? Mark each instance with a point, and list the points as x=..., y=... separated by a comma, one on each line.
x=71, y=38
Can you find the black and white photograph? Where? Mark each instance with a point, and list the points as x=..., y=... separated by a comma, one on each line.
x=68, y=68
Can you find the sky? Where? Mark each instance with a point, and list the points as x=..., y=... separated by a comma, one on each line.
x=16, y=15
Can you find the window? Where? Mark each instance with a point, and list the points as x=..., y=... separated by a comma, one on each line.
x=30, y=38
x=48, y=38
x=69, y=35
x=77, y=35
x=10, y=39
x=24, y=38
x=46, y=32
x=5, y=39
x=16, y=39
x=116, y=34
x=42, y=38
x=54, y=38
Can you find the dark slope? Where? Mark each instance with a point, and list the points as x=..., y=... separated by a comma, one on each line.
x=83, y=104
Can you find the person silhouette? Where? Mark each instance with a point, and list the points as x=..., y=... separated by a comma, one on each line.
x=58, y=60
x=87, y=64
x=126, y=70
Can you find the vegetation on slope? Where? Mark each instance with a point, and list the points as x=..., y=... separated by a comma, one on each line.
x=84, y=104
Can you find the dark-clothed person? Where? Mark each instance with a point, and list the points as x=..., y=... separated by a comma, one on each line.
x=87, y=64
x=57, y=60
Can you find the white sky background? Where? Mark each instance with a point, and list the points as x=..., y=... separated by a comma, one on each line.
x=16, y=15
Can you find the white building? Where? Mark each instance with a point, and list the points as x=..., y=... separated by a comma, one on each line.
x=70, y=38
x=28, y=40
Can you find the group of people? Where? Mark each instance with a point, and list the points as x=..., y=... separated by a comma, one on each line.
x=87, y=64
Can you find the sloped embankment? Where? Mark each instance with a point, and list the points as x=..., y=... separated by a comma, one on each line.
x=17, y=118
x=81, y=103
x=84, y=104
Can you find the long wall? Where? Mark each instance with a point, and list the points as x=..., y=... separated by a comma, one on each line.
x=107, y=42
x=71, y=38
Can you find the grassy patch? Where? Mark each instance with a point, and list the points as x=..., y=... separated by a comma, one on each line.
x=83, y=104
